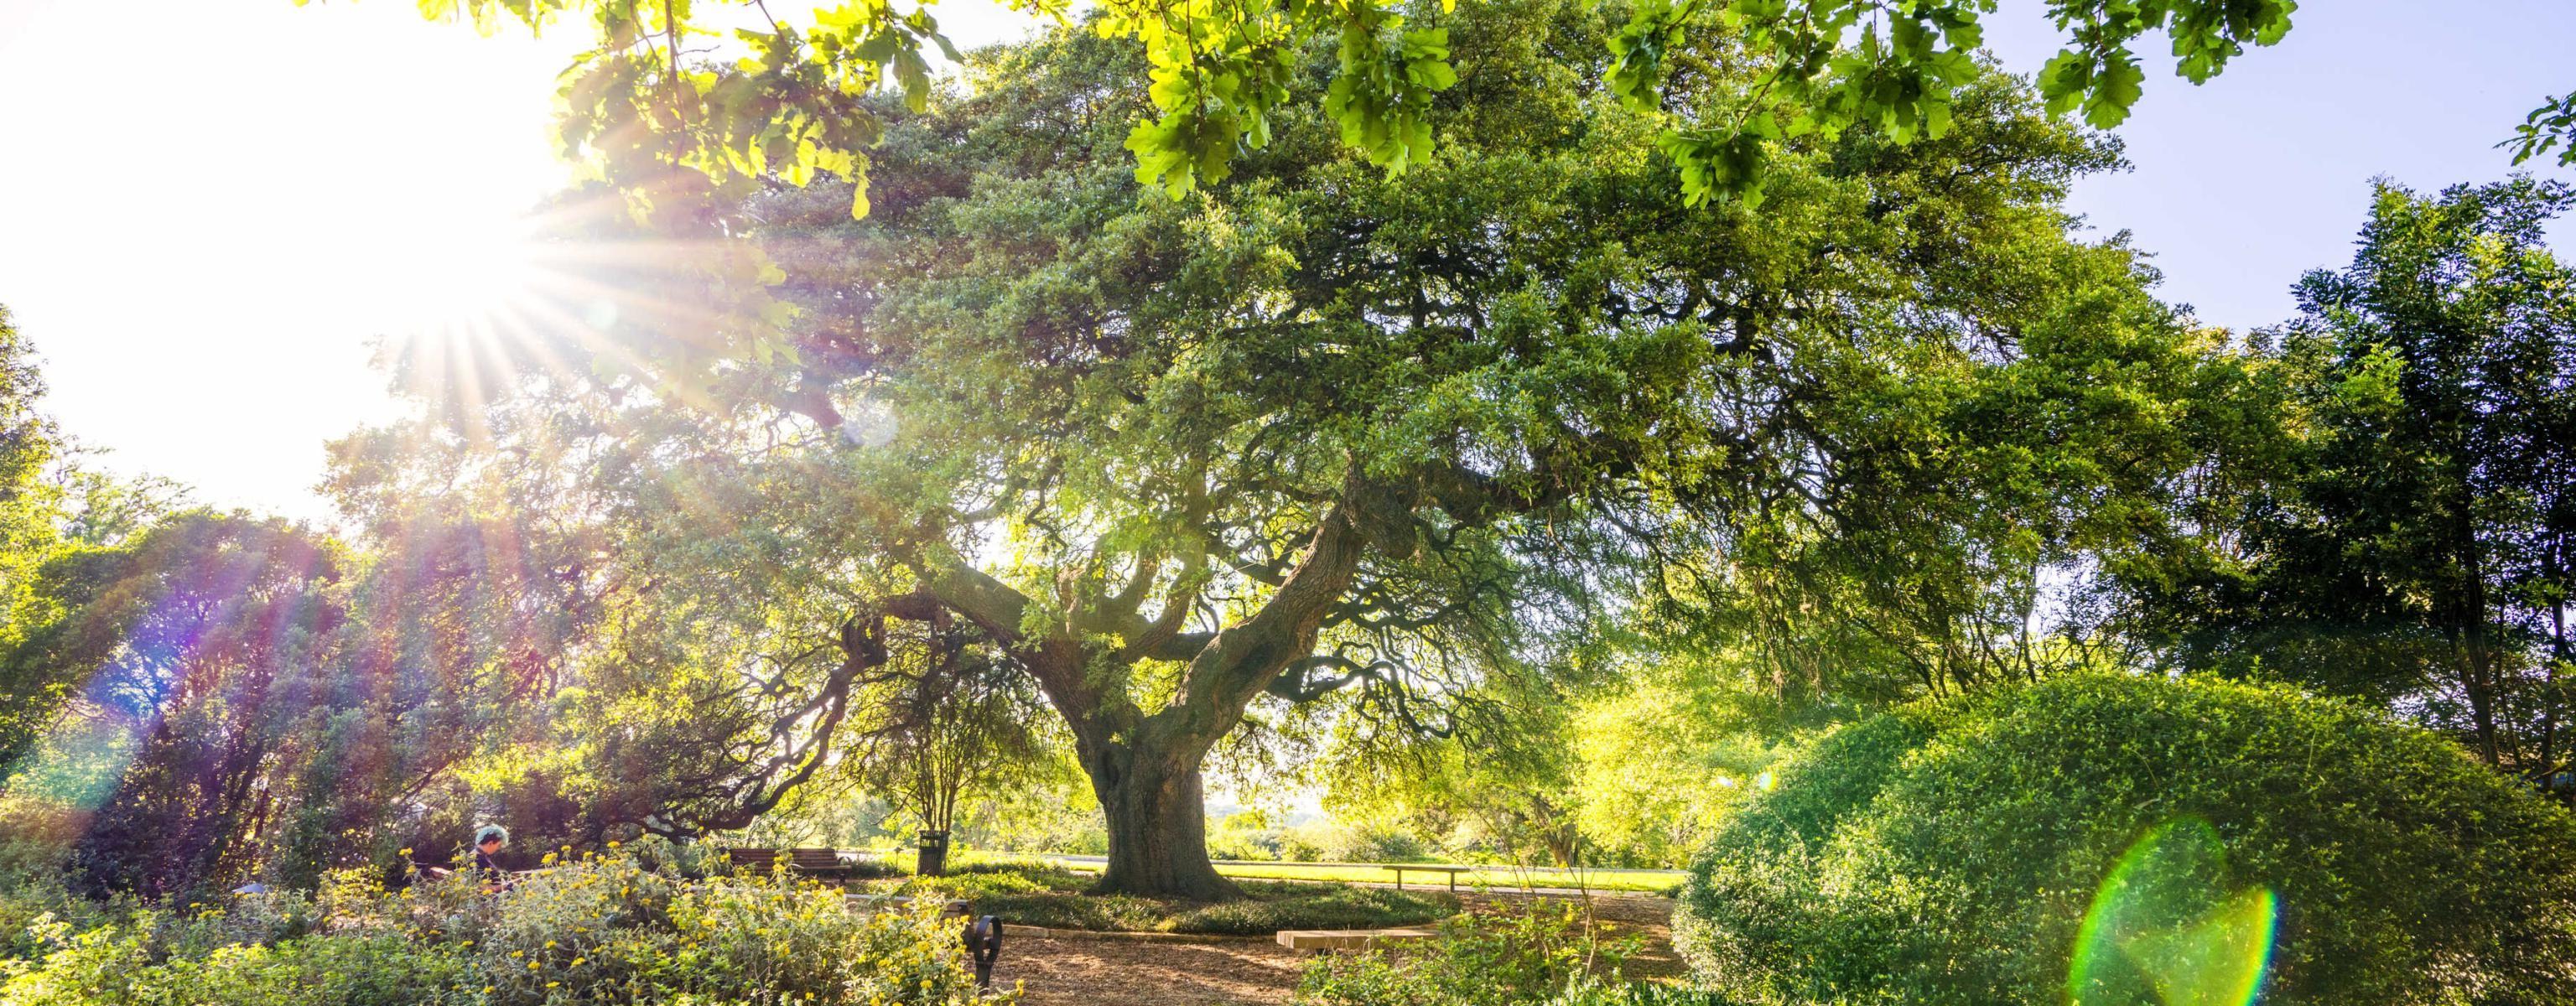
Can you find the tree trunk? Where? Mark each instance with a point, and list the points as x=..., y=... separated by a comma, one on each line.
x=1157, y=818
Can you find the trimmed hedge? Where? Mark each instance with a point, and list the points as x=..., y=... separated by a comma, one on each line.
x=1947, y=854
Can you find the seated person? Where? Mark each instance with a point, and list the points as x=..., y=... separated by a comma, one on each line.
x=489, y=840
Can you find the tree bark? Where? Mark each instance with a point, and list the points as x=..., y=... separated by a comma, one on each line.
x=1151, y=796
x=1145, y=768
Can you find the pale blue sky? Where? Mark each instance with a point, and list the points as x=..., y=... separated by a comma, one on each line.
x=2245, y=182
x=208, y=207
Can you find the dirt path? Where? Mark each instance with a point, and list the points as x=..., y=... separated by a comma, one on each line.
x=1079, y=972
x=1088, y=972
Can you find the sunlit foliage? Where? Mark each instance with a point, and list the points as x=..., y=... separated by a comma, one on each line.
x=1952, y=853
x=642, y=926
x=679, y=99
x=27, y=535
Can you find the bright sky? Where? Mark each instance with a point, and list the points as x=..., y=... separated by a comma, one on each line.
x=208, y=208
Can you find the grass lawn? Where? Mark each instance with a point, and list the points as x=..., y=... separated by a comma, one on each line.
x=1658, y=882
x=1050, y=896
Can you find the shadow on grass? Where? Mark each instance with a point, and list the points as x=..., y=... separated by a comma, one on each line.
x=1037, y=894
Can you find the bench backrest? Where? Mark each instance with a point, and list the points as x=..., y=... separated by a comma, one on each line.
x=814, y=860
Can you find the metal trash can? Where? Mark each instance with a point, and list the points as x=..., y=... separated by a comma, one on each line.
x=934, y=854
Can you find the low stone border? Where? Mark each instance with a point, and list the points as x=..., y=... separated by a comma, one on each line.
x=1011, y=929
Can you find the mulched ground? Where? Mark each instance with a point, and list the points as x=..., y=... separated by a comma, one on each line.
x=1101, y=972
x=1067, y=972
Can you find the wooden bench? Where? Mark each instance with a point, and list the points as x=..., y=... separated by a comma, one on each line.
x=811, y=862
x=1309, y=941
x=1452, y=871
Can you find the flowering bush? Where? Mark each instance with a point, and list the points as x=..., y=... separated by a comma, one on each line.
x=154, y=958
x=629, y=928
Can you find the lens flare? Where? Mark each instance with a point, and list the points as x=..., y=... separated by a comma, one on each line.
x=2164, y=929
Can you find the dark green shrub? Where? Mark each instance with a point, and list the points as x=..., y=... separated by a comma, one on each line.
x=1052, y=898
x=873, y=868
x=1607, y=992
x=1287, y=905
x=1949, y=854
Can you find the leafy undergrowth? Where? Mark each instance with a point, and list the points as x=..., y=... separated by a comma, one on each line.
x=1037, y=894
x=643, y=926
x=1539, y=952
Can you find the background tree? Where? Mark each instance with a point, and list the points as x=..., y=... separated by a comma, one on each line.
x=27, y=533
x=50, y=503
x=1663, y=760
x=2403, y=534
x=196, y=697
x=958, y=718
x=200, y=644
x=1506, y=790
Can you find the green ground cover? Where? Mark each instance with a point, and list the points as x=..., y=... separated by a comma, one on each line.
x=1658, y=882
x=1042, y=894
x=1499, y=877
x=1662, y=882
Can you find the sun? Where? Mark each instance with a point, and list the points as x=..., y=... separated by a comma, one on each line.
x=468, y=308
x=461, y=306
x=458, y=276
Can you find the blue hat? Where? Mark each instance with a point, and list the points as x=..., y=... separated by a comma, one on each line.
x=489, y=832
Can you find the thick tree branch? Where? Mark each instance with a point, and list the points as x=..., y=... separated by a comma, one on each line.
x=1243, y=659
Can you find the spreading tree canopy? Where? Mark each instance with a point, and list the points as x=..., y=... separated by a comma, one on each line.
x=1315, y=441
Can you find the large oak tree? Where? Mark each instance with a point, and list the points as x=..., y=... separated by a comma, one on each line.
x=1316, y=441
